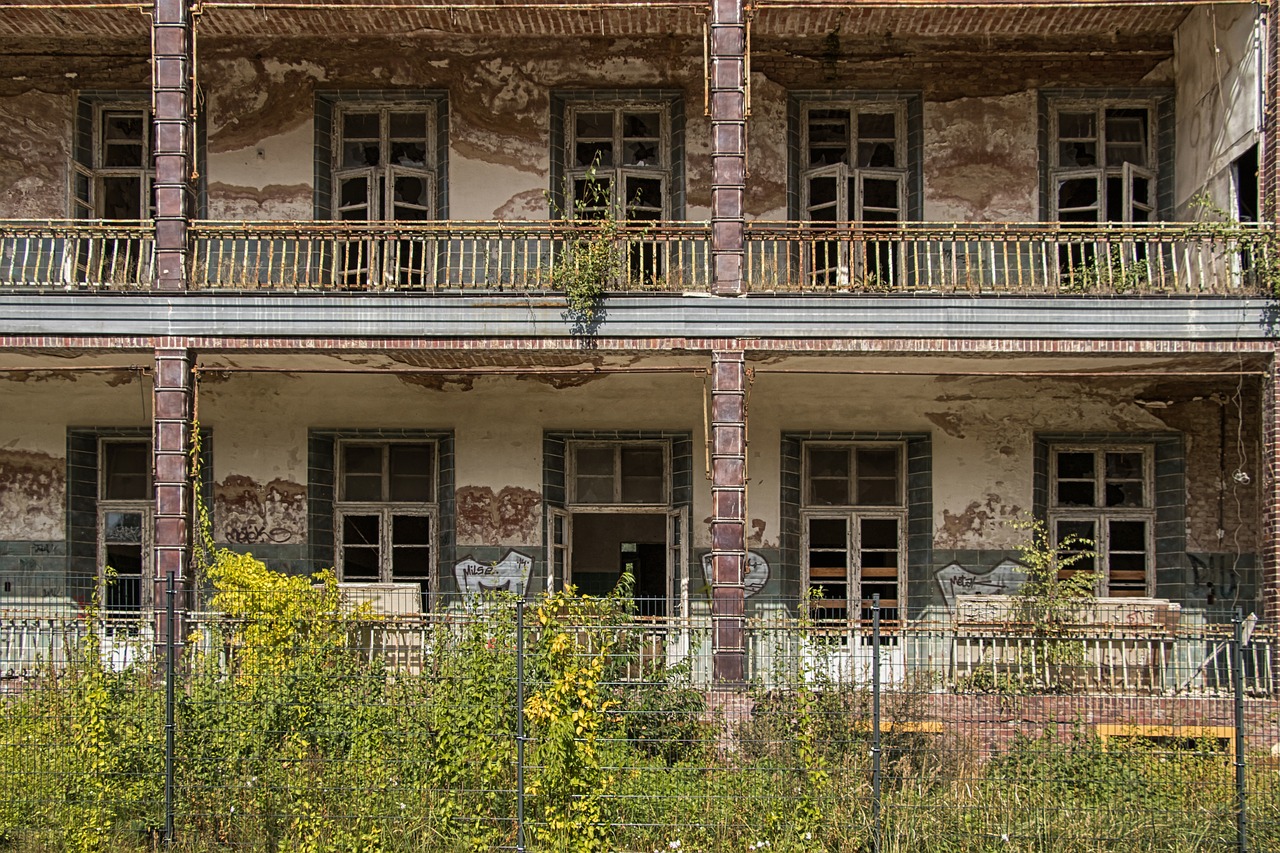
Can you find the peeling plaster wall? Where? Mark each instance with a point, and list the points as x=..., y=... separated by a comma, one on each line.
x=260, y=424
x=1217, y=100
x=983, y=432
x=38, y=409
x=33, y=494
x=981, y=159
x=260, y=105
x=35, y=155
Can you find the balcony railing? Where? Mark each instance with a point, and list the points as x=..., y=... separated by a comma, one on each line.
x=445, y=256
x=1013, y=259
x=1185, y=259
x=76, y=254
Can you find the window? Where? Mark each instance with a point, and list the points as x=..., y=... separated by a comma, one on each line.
x=384, y=164
x=385, y=515
x=125, y=506
x=853, y=530
x=1103, y=162
x=1104, y=495
x=618, y=473
x=113, y=164
x=854, y=169
x=620, y=160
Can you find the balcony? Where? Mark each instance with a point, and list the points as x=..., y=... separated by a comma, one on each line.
x=1175, y=259
x=81, y=254
x=935, y=259
x=444, y=256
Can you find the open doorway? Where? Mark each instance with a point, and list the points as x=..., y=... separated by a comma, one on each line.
x=607, y=545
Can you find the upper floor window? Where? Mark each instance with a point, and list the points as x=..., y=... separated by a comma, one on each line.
x=384, y=161
x=386, y=512
x=125, y=507
x=855, y=161
x=1103, y=161
x=853, y=165
x=619, y=156
x=1105, y=497
x=602, y=473
x=113, y=168
x=853, y=521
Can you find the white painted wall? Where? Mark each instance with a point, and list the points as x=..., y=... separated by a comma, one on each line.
x=1216, y=62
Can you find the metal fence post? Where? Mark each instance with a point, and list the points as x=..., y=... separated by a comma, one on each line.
x=875, y=723
x=1237, y=688
x=520, y=841
x=170, y=594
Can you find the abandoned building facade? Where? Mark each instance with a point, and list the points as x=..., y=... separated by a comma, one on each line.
x=759, y=301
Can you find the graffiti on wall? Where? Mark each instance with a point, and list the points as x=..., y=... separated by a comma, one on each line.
x=247, y=512
x=757, y=574
x=486, y=517
x=509, y=574
x=1006, y=578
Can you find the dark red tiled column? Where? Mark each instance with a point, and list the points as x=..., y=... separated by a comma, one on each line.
x=171, y=430
x=1271, y=493
x=173, y=140
x=728, y=517
x=728, y=144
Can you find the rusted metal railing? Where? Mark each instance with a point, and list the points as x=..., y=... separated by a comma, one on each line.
x=1006, y=258
x=446, y=256
x=89, y=254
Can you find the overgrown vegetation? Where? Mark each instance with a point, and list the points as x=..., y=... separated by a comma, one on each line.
x=306, y=725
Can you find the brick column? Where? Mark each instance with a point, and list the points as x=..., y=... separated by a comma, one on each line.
x=728, y=516
x=1270, y=539
x=171, y=89
x=171, y=428
x=728, y=144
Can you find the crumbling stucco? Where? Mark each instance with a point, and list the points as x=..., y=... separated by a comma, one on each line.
x=247, y=512
x=977, y=523
x=508, y=517
x=261, y=103
x=33, y=495
x=35, y=130
x=981, y=159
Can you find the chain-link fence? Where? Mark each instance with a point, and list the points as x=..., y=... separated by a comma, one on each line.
x=307, y=722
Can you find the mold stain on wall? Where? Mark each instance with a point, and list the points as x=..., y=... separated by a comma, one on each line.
x=508, y=517
x=247, y=512
x=33, y=493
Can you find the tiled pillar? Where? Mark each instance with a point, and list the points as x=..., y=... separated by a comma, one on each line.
x=1271, y=493
x=171, y=429
x=1269, y=156
x=728, y=144
x=728, y=518
x=173, y=140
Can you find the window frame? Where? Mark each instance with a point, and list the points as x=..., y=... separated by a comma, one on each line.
x=571, y=476
x=853, y=514
x=386, y=510
x=145, y=507
x=1101, y=515
x=618, y=172
x=1101, y=172
x=429, y=171
x=844, y=172
x=96, y=171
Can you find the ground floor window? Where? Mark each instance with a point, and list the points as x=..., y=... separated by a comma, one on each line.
x=386, y=512
x=616, y=506
x=125, y=533
x=1102, y=508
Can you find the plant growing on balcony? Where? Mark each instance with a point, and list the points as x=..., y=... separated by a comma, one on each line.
x=592, y=256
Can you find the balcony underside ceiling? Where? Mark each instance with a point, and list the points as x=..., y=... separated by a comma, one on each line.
x=75, y=19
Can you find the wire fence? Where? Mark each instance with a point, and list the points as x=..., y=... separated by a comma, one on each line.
x=303, y=722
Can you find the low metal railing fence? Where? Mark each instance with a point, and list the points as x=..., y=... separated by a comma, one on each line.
x=449, y=256
x=79, y=254
x=1025, y=259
